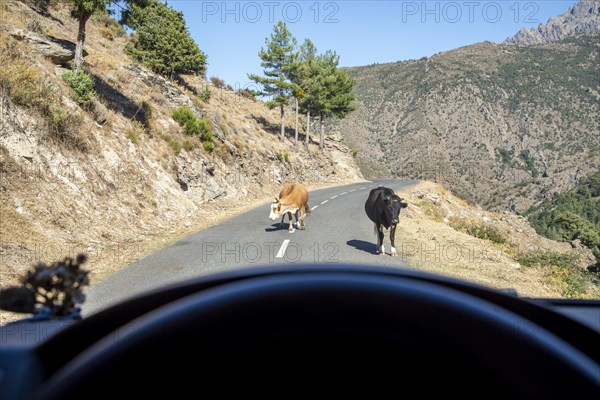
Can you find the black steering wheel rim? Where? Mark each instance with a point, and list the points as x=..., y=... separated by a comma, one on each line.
x=285, y=320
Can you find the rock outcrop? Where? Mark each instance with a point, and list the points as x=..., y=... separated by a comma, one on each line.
x=59, y=51
x=582, y=19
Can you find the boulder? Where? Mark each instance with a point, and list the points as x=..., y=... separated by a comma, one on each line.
x=59, y=51
x=99, y=111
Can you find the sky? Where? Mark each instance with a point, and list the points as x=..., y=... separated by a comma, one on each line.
x=362, y=32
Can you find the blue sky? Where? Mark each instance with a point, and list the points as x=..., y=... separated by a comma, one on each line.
x=363, y=32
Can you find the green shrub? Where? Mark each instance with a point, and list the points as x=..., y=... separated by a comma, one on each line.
x=205, y=130
x=204, y=95
x=208, y=146
x=193, y=126
x=282, y=156
x=354, y=152
x=82, y=86
x=183, y=114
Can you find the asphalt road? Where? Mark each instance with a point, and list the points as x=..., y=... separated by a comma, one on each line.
x=337, y=231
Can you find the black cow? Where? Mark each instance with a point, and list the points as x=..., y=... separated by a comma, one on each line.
x=383, y=208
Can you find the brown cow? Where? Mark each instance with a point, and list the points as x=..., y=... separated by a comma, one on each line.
x=285, y=190
x=293, y=199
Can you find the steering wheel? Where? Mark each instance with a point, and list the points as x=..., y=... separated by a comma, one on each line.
x=339, y=331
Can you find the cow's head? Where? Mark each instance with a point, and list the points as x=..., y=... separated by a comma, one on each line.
x=275, y=210
x=393, y=205
x=278, y=209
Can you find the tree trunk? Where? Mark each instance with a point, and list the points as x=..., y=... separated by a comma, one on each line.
x=296, y=132
x=307, y=128
x=282, y=125
x=322, y=124
x=80, y=42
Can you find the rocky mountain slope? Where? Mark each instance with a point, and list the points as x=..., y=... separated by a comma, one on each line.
x=120, y=178
x=505, y=126
x=581, y=19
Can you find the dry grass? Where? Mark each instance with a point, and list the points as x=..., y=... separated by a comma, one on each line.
x=26, y=85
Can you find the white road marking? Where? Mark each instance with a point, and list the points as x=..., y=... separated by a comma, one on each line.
x=313, y=209
x=353, y=190
x=362, y=188
x=283, y=248
x=341, y=194
x=324, y=201
x=333, y=197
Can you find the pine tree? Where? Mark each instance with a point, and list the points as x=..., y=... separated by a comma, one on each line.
x=333, y=95
x=305, y=74
x=162, y=41
x=278, y=63
x=82, y=10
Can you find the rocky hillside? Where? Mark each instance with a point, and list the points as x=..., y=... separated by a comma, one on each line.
x=120, y=177
x=443, y=234
x=505, y=126
x=581, y=19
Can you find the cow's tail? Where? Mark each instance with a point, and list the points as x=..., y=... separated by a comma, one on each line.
x=307, y=209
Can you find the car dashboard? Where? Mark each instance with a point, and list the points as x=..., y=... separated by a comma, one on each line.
x=310, y=327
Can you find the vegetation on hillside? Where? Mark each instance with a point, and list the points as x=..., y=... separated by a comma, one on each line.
x=277, y=61
x=162, y=41
x=319, y=87
x=500, y=125
x=572, y=215
x=28, y=86
x=193, y=126
x=82, y=85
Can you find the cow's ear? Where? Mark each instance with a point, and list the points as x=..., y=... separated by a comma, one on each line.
x=403, y=204
x=276, y=199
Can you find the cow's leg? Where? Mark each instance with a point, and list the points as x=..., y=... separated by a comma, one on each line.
x=380, y=246
x=301, y=220
x=290, y=216
x=392, y=240
x=291, y=227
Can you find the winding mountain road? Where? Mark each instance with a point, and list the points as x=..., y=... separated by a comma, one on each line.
x=338, y=231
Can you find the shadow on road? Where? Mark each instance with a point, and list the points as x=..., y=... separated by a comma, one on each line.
x=368, y=247
x=278, y=227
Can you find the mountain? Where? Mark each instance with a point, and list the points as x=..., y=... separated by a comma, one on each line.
x=581, y=19
x=505, y=126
